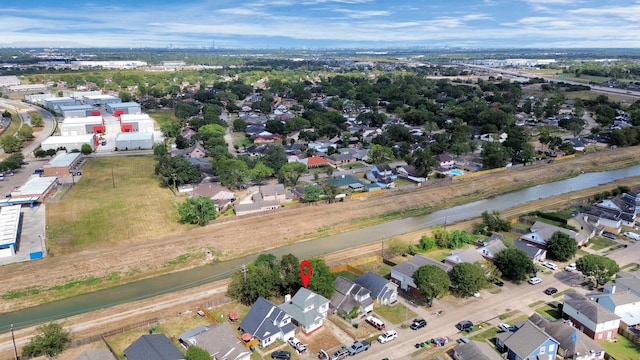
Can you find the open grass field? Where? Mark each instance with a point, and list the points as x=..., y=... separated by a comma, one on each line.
x=163, y=117
x=397, y=314
x=623, y=349
x=102, y=208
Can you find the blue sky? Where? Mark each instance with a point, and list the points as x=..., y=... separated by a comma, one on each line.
x=321, y=23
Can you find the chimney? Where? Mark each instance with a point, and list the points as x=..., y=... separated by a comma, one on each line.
x=287, y=298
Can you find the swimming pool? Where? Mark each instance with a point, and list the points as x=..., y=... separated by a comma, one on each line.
x=456, y=172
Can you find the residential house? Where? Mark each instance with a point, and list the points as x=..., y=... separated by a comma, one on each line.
x=528, y=342
x=315, y=162
x=445, y=161
x=307, y=309
x=589, y=317
x=188, y=132
x=195, y=151
x=621, y=209
x=383, y=291
x=349, y=295
x=535, y=253
x=475, y=350
x=267, y=323
x=275, y=192
x=154, y=346
x=623, y=303
x=221, y=195
x=573, y=344
x=600, y=219
x=468, y=255
x=346, y=182
x=321, y=146
x=586, y=225
x=578, y=143
x=492, y=247
x=542, y=232
x=402, y=274
x=626, y=281
x=382, y=175
x=218, y=339
x=409, y=172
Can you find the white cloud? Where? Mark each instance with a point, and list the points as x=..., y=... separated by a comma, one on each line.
x=362, y=14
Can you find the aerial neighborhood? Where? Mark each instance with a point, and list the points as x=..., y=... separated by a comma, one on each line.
x=244, y=171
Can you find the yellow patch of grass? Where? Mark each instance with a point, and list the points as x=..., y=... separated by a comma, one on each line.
x=101, y=208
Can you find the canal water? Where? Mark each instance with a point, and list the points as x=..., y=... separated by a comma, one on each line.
x=190, y=278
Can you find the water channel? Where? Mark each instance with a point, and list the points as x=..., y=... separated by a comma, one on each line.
x=189, y=278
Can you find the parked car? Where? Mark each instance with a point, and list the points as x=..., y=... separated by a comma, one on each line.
x=8, y=173
x=632, y=235
x=418, y=324
x=297, y=345
x=281, y=354
x=387, y=336
x=340, y=354
x=570, y=267
x=535, y=280
x=499, y=283
x=505, y=327
x=463, y=340
x=551, y=291
x=550, y=265
x=609, y=235
x=358, y=347
x=464, y=325
x=375, y=322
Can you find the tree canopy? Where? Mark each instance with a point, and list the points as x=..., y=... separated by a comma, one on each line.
x=198, y=211
x=50, y=340
x=197, y=353
x=513, y=263
x=468, y=278
x=597, y=267
x=561, y=246
x=322, y=279
x=432, y=281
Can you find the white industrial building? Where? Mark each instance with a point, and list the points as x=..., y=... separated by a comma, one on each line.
x=124, y=108
x=27, y=87
x=55, y=103
x=100, y=99
x=76, y=111
x=134, y=141
x=69, y=143
x=81, y=94
x=136, y=123
x=9, y=229
x=82, y=126
x=10, y=80
x=39, y=98
x=36, y=187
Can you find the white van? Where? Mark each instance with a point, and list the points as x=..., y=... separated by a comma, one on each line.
x=632, y=235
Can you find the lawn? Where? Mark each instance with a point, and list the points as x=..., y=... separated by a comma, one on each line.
x=115, y=200
x=485, y=335
x=376, y=267
x=549, y=312
x=599, y=243
x=163, y=117
x=534, y=304
x=397, y=313
x=623, y=349
x=347, y=274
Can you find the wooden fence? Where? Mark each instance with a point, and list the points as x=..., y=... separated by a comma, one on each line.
x=478, y=173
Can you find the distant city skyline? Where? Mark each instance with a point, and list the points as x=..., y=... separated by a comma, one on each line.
x=321, y=23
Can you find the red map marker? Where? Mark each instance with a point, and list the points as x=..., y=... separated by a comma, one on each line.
x=307, y=276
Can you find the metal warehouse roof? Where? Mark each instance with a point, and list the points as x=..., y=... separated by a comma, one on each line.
x=9, y=221
x=75, y=107
x=95, y=97
x=88, y=138
x=134, y=117
x=37, y=185
x=129, y=136
x=124, y=105
x=61, y=160
x=83, y=120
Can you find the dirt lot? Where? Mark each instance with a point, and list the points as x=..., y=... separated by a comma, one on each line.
x=237, y=236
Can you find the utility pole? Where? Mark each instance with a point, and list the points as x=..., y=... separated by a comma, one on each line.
x=445, y=223
x=244, y=270
x=13, y=339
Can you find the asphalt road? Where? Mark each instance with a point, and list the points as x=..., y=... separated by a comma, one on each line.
x=23, y=109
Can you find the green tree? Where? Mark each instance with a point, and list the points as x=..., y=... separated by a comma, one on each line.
x=561, y=246
x=312, y=193
x=432, y=281
x=249, y=283
x=36, y=119
x=292, y=171
x=232, y=172
x=159, y=150
x=198, y=210
x=175, y=171
x=290, y=274
x=239, y=125
x=261, y=171
x=270, y=263
x=10, y=143
x=51, y=340
x=513, y=263
x=379, y=154
x=494, y=155
x=322, y=279
x=197, y=353
x=86, y=149
x=493, y=222
x=426, y=243
x=468, y=278
x=597, y=267
x=25, y=132
x=275, y=157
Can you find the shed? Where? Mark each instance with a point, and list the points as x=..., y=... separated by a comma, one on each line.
x=61, y=164
x=36, y=186
x=82, y=125
x=136, y=123
x=69, y=143
x=134, y=141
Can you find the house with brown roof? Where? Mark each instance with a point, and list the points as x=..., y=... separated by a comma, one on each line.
x=221, y=195
x=315, y=162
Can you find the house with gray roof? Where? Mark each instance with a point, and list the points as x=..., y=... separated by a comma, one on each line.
x=307, y=309
x=402, y=274
x=589, y=317
x=492, y=247
x=541, y=233
x=153, y=347
x=383, y=291
x=527, y=342
x=534, y=252
x=475, y=350
x=218, y=340
x=623, y=303
x=573, y=344
x=349, y=295
x=626, y=281
x=468, y=255
x=267, y=323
